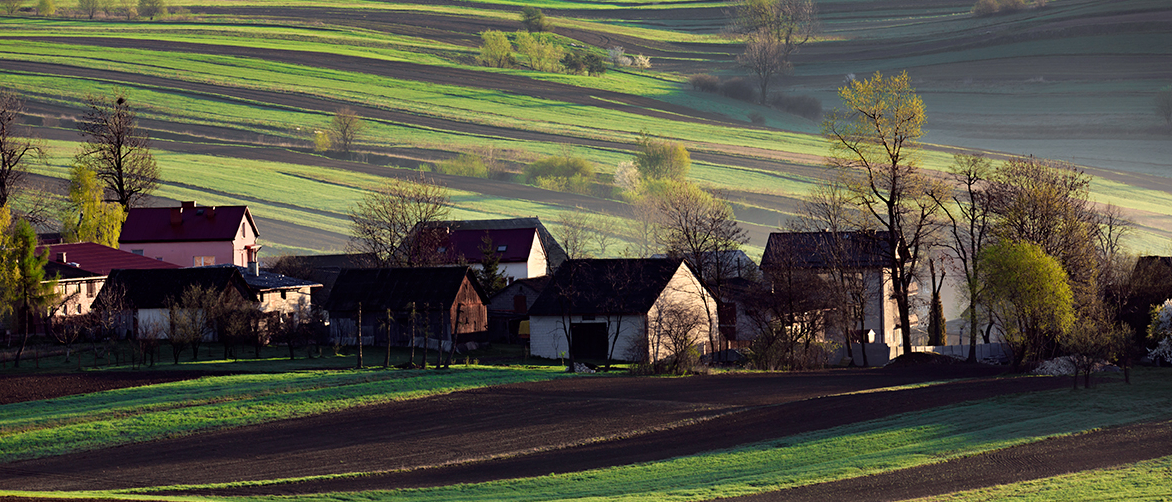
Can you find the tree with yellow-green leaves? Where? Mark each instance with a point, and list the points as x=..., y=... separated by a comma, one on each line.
x=874, y=143
x=87, y=217
x=30, y=294
x=1027, y=292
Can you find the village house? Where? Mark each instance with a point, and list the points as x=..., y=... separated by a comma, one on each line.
x=526, y=249
x=190, y=235
x=407, y=306
x=622, y=309
x=142, y=298
x=508, y=309
x=83, y=267
x=863, y=254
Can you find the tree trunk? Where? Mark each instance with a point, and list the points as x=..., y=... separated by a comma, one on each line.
x=387, y=358
x=359, y=337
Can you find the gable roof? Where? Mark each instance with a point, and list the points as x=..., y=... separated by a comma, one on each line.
x=513, y=244
x=268, y=281
x=379, y=289
x=612, y=286
x=814, y=250
x=509, y=231
x=100, y=260
x=191, y=223
x=151, y=289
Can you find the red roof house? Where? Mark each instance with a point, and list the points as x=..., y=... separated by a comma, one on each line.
x=82, y=268
x=525, y=247
x=191, y=236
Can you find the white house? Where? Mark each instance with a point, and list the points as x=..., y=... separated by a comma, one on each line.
x=622, y=309
x=190, y=235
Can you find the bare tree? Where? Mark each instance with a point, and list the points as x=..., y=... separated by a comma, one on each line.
x=575, y=229
x=1163, y=103
x=970, y=229
x=15, y=150
x=674, y=328
x=345, y=128
x=774, y=30
x=763, y=56
x=116, y=150
x=381, y=223
x=875, y=140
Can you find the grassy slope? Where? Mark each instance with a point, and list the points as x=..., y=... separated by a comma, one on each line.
x=965, y=114
x=106, y=419
x=859, y=449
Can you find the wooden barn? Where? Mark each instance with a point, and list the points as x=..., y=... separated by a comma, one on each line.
x=405, y=306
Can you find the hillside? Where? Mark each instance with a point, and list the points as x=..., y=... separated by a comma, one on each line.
x=231, y=92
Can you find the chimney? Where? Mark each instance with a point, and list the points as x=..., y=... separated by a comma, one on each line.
x=254, y=268
x=211, y=212
x=187, y=204
x=176, y=216
x=61, y=258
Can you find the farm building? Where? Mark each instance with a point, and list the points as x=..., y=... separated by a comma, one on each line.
x=427, y=303
x=191, y=236
x=142, y=297
x=622, y=309
x=509, y=308
x=526, y=249
x=83, y=267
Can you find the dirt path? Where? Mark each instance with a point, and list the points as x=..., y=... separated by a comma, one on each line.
x=1051, y=457
x=514, y=431
x=19, y=388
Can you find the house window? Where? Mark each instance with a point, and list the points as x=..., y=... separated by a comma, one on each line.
x=501, y=249
x=137, y=251
x=282, y=294
x=90, y=289
x=203, y=261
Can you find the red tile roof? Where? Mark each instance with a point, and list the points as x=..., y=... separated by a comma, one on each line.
x=196, y=223
x=467, y=243
x=100, y=259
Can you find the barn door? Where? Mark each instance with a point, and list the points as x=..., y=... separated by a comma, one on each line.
x=589, y=340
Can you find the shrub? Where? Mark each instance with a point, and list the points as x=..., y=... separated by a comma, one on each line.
x=616, y=57
x=594, y=64
x=572, y=63
x=990, y=7
x=543, y=55
x=658, y=159
x=705, y=83
x=321, y=141
x=496, y=52
x=641, y=62
x=559, y=167
x=466, y=164
x=46, y=8
x=738, y=88
x=756, y=118
x=802, y=106
x=534, y=21
x=152, y=8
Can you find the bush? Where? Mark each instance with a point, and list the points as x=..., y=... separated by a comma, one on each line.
x=559, y=167
x=756, y=118
x=534, y=21
x=543, y=55
x=641, y=62
x=595, y=66
x=802, y=106
x=990, y=7
x=466, y=164
x=738, y=88
x=659, y=159
x=705, y=83
x=46, y=8
x=152, y=8
x=496, y=52
x=321, y=141
x=572, y=63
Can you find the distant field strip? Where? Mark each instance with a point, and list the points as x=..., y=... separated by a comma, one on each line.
x=105, y=419
x=1142, y=481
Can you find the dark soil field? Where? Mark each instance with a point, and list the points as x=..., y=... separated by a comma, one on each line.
x=518, y=430
x=18, y=388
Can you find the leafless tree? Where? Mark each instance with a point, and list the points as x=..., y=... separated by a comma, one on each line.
x=970, y=229
x=674, y=329
x=117, y=150
x=381, y=223
x=774, y=30
x=575, y=231
x=16, y=149
x=345, y=128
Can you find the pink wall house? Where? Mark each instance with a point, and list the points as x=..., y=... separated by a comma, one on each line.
x=191, y=236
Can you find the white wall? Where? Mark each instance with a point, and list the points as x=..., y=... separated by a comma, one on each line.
x=547, y=337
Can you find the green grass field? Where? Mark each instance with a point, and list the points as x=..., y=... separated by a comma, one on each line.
x=989, y=83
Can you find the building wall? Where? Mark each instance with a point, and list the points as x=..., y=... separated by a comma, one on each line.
x=685, y=290
x=294, y=300
x=183, y=253
x=547, y=338
x=538, y=264
x=79, y=295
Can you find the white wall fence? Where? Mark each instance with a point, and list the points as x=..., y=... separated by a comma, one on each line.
x=985, y=351
x=877, y=355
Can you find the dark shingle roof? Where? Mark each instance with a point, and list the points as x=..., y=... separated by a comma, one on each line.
x=814, y=250
x=153, y=224
x=473, y=231
x=267, y=280
x=596, y=287
x=380, y=289
x=152, y=289
x=100, y=259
